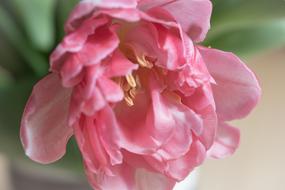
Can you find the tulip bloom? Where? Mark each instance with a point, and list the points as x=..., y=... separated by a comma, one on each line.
x=145, y=103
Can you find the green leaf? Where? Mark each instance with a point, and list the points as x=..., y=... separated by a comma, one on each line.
x=63, y=9
x=11, y=31
x=6, y=78
x=38, y=17
x=250, y=38
x=247, y=27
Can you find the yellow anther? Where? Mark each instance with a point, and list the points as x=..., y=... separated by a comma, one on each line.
x=133, y=93
x=131, y=80
x=144, y=63
x=129, y=100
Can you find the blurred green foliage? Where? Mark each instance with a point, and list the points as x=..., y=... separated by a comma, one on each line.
x=246, y=27
x=30, y=29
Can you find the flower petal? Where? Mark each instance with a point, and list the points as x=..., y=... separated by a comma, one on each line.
x=111, y=90
x=226, y=142
x=202, y=103
x=119, y=65
x=86, y=7
x=44, y=128
x=192, y=15
x=98, y=46
x=237, y=90
x=180, y=168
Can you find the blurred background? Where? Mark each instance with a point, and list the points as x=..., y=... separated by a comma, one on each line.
x=252, y=29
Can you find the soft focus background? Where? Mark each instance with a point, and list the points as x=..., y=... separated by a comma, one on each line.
x=253, y=29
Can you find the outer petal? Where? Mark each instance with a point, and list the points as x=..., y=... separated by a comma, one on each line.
x=237, y=91
x=96, y=48
x=44, y=128
x=180, y=168
x=193, y=15
x=74, y=42
x=226, y=142
x=86, y=7
x=202, y=103
x=127, y=177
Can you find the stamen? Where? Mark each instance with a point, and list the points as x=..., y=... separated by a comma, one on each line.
x=132, y=93
x=131, y=80
x=129, y=100
x=144, y=63
x=126, y=87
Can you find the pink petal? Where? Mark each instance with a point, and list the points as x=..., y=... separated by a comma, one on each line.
x=89, y=142
x=111, y=90
x=44, y=128
x=122, y=178
x=237, y=91
x=186, y=122
x=74, y=42
x=95, y=49
x=146, y=180
x=202, y=103
x=86, y=7
x=180, y=168
x=127, y=177
x=119, y=65
x=95, y=103
x=226, y=142
x=192, y=15
x=171, y=43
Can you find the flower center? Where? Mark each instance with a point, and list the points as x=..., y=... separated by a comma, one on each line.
x=133, y=83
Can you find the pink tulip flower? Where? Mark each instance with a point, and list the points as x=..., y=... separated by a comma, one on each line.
x=145, y=103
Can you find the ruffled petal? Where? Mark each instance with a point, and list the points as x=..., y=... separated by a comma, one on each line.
x=112, y=91
x=186, y=123
x=237, y=90
x=90, y=144
x=44, y=127
x=192, y=15
x=127, y=177
x=202, y=102
x=86, y=7
x=119, y=65
x=226, y=142
x=95, y=49
x=74, y=42
x=180, y=168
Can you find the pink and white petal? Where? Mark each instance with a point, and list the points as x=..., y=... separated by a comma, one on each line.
x=119, y=65
x=147, y=44
x=87, y=7
x=192, y=15
x=123, y=178
x=186, y=122
x=44, y=126
x=111, y=90
x=127, y=177
x=89, y=142
x=128, y=14
x=96, y=48
x=226, y=142
x=237, y=90
x=111, y=136
x=146, y=180
x=74, y=42
x=178, y=169
x=202, y=102
x=170, y=42
x=95, y=103
x=148, y=4
x=133, y=133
